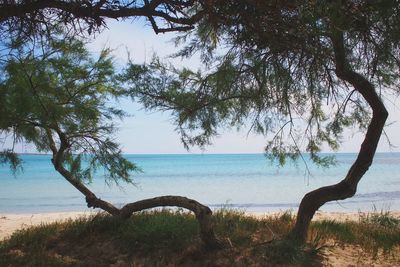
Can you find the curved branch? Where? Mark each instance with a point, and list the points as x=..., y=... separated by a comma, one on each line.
x=346, y=188
x=58, y=154
x=203, y=214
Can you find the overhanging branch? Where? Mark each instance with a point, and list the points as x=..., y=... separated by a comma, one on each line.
x=95, y=12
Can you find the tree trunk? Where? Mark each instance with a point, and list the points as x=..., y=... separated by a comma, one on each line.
x=203, y=213
x=346, y=188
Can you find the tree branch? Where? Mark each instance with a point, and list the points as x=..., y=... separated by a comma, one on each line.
x=346, y=188
x=97, y=12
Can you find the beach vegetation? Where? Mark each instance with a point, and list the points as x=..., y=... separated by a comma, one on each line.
x=383, y=218
x=299, y=73
x=170, y=238
x=372, y=236
x=56, y=96
x=29, y=29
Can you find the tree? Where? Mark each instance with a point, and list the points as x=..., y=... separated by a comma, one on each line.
x=27, y=18
x=301, y=70
x=31, y=21
x=54, y=95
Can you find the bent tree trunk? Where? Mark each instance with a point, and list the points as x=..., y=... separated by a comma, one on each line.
x=203, y=213
x=346, y=188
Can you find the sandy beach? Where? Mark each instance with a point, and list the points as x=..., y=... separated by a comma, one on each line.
x=12, y=222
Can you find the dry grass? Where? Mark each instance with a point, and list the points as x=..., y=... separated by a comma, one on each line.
x=170, y=238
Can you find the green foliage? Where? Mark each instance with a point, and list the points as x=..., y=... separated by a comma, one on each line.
x=56, y=96
x=271, y=67
x=12, y=159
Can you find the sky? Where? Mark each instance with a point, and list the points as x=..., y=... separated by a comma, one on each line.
x=153, y=132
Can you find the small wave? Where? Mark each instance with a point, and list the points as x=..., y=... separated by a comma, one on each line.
x=35, y=198
x=255, y=205
x=384, y=195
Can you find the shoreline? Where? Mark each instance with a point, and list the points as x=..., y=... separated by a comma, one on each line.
x=328, y=215
x=11, y=222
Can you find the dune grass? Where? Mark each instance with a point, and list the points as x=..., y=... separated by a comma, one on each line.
x=374, y=231
x=170, y=238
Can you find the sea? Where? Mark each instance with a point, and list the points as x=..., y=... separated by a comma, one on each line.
x=247, y=182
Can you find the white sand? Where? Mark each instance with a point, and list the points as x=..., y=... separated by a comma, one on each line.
x=12, y=222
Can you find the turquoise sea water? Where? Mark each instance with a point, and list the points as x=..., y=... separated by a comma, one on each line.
x=246, y=181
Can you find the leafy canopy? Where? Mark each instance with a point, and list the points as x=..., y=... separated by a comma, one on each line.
x=56, y=96
x=272, y=64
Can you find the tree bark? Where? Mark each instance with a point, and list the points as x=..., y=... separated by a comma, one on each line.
x=346, y=188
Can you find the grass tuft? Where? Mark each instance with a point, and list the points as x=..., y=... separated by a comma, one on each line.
x=382, y=218
x=374, y=232
x=235, y=225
